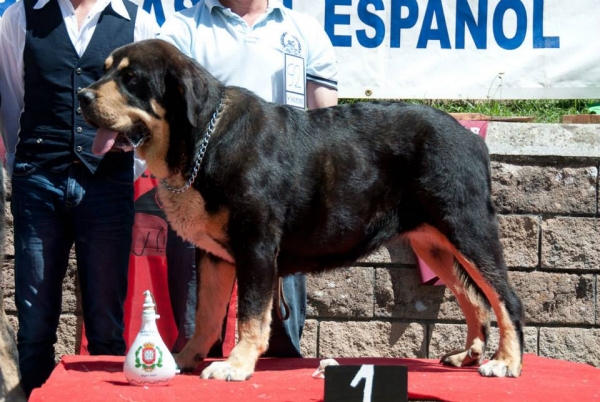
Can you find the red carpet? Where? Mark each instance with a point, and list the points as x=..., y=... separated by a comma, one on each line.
x=100, y=378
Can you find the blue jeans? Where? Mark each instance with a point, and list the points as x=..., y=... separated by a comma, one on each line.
x=53, y=210
x=285, y=335
x=183, y=286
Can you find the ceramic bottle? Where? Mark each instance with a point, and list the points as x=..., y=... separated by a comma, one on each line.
x=149, y=362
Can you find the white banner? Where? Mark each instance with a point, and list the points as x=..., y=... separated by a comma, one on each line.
x=464, y=49
x=454, y=49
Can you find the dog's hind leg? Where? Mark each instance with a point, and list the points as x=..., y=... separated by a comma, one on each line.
x=472, y=302
x=479, y=252
x=216, y=280
x=508, y=358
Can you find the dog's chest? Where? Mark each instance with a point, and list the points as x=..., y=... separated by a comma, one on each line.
x=187, y=214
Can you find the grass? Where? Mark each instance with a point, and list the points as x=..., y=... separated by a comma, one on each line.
x=544, y=111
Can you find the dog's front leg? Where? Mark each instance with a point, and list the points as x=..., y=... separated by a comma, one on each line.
x=216, y=279
x=256, y=276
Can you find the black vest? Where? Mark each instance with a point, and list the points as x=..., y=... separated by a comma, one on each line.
x=53, y=132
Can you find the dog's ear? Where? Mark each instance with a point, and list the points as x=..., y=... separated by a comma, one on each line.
x=193, y=95
x=195, y=89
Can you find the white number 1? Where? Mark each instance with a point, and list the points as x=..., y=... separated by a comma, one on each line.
x=366, y=371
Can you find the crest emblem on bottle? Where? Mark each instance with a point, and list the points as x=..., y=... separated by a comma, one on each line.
x=149, y=352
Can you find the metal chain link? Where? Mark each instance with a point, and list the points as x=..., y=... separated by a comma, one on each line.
x=135, y=145
x=199, y=155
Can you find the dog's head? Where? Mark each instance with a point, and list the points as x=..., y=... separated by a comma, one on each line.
x=149, y=92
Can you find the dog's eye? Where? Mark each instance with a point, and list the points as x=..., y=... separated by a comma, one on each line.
x=128, y=76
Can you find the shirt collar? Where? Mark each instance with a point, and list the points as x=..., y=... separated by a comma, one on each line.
x=40, y=4
x=117, y=5
x=120, y=9
x=272, y=4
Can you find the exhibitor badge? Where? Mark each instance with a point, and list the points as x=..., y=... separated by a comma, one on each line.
x=295, y=79
x=294, y=73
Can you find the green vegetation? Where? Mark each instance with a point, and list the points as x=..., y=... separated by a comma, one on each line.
x=544, y=111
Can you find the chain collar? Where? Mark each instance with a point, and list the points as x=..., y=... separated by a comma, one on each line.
x=135, y=145
x=199, y=155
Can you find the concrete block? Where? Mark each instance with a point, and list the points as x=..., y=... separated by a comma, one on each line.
x=572, y=344
x=544, y=140
x=556, y=298
x=69, y=335
x=399, y=294
x=371, y=339
x=520, y=238
x=544, y=189
x=341, y=293
x=8, y=286
x=571, y=243
x=308, y=342
x=9, y=246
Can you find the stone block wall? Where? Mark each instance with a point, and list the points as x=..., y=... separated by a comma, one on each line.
x=545, y=187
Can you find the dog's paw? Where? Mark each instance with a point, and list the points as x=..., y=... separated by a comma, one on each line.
x=500, y=368
x=186, y=362
x=461, y=358
x=465, y=357
x=225, y=371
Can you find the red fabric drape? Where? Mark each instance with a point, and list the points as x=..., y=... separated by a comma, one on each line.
x=148, y=271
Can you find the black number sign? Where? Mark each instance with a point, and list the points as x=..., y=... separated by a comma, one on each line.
x=366, y=383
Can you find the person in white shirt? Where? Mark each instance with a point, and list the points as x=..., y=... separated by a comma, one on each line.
x=63, y=194
x=245, y=43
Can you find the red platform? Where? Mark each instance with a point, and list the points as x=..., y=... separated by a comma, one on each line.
x=100, y=378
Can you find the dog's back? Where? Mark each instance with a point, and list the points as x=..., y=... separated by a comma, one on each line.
x=348, y=174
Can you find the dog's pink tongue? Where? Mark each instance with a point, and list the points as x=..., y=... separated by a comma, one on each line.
x=104, y=141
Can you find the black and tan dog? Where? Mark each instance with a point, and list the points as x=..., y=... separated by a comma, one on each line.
x=269, y=190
